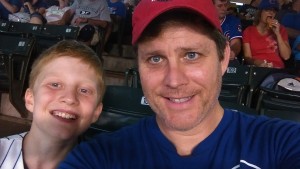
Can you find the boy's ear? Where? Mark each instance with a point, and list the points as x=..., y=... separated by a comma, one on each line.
x=97, y=112
x=29, y=100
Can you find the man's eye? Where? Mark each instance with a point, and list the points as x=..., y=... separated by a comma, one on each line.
x=155, y=59
x=191, y=56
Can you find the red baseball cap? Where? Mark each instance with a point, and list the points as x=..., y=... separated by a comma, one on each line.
x=147, y=10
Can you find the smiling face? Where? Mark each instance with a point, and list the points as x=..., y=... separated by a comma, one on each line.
x=181, y=75
x=64, y=98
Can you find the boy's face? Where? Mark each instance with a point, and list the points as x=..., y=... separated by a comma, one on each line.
x=64, y=99
x=181, y=77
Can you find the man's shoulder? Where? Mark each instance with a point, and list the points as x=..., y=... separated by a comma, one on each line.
x=265, y=125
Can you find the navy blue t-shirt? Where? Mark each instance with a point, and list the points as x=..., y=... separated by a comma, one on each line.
x=240, y=141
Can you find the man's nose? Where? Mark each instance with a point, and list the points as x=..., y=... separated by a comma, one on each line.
x=175, y=75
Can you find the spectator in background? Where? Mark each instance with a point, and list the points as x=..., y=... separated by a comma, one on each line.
x=247, y=13
x=9, y=7
x=55, y=11
x=291, y=21
x=36, y=9
x=296, y=53
x=89, y=15
x=233, y=11
x=285, y=7
x=265, y=43
x=116, y=29
x=65, y=96
x=117, y=7
x=231, y=27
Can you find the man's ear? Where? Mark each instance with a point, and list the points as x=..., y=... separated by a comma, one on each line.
x=226, y=58
x=29, y=100
x=97, y=112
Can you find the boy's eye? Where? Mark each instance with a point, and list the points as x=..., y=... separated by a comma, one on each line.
x=155, y=59
x=84, y=91
x=55, y=85
x=191, y=56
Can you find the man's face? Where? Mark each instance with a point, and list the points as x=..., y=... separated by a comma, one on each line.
x=181, y=77
x=221, y=7
x=64, y=99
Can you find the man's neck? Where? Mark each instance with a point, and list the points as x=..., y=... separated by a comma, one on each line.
x=186, y=141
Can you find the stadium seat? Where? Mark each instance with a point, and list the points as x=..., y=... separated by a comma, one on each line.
x=16, y=57
x=235, y=84
x=132, y=78
x=122, y=106
x=4, y=25
x=4, y=80
x=60, y=31
x=257, y=76
x=279, y=104
x=28, y=28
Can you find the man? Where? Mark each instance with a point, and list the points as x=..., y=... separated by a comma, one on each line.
x=231, y=27
x=89, y=15
x=182, y=55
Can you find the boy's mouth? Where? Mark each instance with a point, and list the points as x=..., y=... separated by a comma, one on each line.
x=64, y=115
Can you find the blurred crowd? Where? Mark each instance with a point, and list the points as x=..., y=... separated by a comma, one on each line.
x=264, y=33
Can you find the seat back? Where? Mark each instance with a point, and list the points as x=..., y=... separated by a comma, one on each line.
x=4, y=25
x=4, y=80
x=16, y=54
x=62, y=31
x=132, y=78
x=235, y=84
x=51, y=34
x=257, y=76
x=122, y=106
x=279, y=104
x=28, y=28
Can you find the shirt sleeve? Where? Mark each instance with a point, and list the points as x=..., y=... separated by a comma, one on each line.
x=246, y=33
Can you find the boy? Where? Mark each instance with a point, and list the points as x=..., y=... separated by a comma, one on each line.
x=65, y=96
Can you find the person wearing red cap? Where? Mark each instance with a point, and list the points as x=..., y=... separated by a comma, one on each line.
x=182, y=55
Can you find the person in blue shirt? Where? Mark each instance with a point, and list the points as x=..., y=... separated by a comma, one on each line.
x=182, y=55
x=9, y=7
x=231, y=27
x=291, y=21
x=117, y=7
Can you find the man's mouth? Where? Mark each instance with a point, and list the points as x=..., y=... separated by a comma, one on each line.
x=180, y=100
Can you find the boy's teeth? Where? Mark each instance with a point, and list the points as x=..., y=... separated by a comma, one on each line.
x=64, y=115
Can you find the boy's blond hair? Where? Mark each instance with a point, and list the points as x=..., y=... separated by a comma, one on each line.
x=73, y=49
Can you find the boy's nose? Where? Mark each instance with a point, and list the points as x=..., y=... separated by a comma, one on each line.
x=69, y=96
